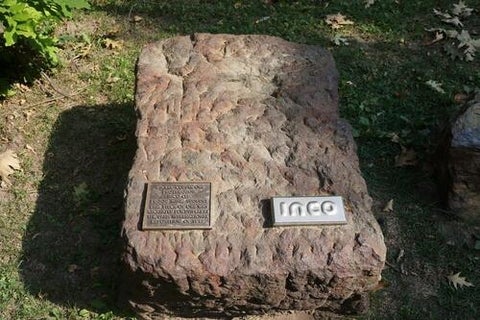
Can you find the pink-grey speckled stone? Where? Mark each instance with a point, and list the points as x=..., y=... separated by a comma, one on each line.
x=257, y=116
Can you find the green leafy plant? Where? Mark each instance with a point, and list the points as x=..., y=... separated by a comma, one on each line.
x=30, y=23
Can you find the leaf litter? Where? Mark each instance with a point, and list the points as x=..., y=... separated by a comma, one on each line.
x=464, y=47
x=460, y=9
x=458, y=282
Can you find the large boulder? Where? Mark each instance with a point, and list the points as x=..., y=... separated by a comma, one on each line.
x=257, y=117
x=461, y=163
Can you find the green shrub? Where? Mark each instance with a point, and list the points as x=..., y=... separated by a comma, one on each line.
x=29, y=23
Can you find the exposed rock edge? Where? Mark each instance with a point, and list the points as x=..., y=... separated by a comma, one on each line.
x=459, y=165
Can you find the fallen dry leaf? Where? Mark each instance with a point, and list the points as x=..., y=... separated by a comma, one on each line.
x=21, y=87
x=451, y=33
x=441, y=14
x=30, y=148
x=458, y=281
x=469, y=56
x=460, y=9
x=136, y=19
x=465, y=41
x=368, y=3
x=113, y=44
x=407, y=157
x=401, y=253
x=8, y=164
x=262, y=19
x=389, y=206
x=454, y=21
x=112, y=79
x=395, y=138
x=438, y=37
x=112, y=31
x=468, y=44
x=83, y=50
x=338, y=20
x=437, y=86
x=338, y=40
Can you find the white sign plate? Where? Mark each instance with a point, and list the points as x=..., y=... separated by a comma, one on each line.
x=308, y=210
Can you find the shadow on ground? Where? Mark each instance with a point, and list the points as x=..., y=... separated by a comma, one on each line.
x=71, y=247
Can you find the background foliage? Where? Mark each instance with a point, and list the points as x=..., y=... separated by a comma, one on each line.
x=26, y=29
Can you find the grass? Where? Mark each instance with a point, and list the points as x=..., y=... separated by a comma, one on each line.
x=74, y=132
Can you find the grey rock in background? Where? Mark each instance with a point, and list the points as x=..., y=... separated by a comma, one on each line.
x=258, y=117
x=462, y=155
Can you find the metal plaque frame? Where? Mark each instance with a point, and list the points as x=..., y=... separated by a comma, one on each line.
x=177, y=205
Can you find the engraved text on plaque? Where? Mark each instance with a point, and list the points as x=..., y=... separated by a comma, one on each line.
x=177, y=205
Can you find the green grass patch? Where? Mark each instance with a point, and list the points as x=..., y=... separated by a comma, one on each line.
x=59, y=220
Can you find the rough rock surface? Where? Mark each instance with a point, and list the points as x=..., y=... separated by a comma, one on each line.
x=462, y=172
x=258, y=117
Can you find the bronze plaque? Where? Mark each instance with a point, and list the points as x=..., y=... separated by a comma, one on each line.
x=177, y=205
